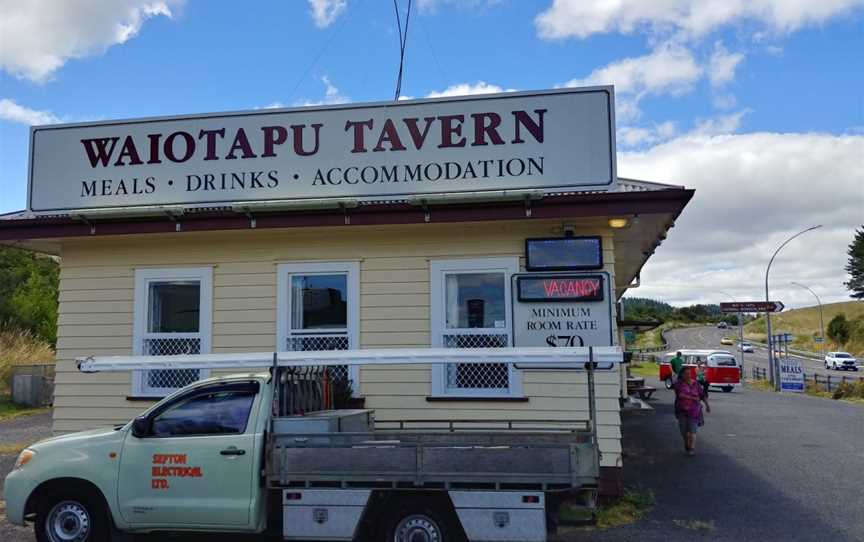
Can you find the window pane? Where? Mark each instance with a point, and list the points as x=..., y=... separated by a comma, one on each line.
x=223, y=412
x=319, y=301
x=476, y=300
x=174, y=307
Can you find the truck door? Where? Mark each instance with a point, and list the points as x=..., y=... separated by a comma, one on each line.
x=194, y=463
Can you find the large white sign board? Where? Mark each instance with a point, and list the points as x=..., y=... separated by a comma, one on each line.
x=528, y=140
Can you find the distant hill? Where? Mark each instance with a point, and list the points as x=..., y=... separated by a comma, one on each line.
x=804, y=325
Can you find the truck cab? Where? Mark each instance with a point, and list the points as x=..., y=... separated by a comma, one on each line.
x=187, y=463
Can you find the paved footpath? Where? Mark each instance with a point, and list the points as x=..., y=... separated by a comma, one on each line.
x=768, y=467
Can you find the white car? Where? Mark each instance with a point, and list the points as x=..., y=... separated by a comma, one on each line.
x=840, y=360
x=745, y=347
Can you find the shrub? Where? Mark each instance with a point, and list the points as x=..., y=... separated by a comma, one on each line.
x=849, y=390
x=19, y=347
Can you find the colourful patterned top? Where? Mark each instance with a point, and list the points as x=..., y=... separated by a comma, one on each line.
x=687, y=397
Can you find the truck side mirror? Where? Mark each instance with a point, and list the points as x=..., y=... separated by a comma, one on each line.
x=141, y=426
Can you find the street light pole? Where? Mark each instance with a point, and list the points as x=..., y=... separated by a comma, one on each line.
x=821, y=320
x=776, y=381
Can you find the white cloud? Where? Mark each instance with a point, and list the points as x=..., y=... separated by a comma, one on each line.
x=332, y=96
x=583, y=18
x=752, y=192
x=668, y=69
x=13, y=112
x=722, y=65
x=324, y=12
x=632, y=136
x=468, y=89
x=37, y=37
x=721, y=124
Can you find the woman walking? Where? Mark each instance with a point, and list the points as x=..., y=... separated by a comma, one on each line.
x=689, y=396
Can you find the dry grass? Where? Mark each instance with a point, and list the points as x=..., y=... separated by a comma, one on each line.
x=12, y=449
x=804, y=324
x=633, y=506
x=695, y=525
x=19, y=347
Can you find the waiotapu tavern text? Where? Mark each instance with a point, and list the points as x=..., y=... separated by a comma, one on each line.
x=303, y=141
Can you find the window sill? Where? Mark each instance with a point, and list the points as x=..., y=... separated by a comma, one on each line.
x=142, y=398
x=475, y=399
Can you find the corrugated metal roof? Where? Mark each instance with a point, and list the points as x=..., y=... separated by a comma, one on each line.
x=624, y=185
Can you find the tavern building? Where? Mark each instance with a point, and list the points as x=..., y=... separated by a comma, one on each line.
x=539, y=257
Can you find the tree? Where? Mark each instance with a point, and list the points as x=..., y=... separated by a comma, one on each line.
x=839, y=329
x=28, y=292
x=855, y=266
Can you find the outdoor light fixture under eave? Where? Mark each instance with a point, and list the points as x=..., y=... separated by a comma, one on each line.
x=476, y=197
x=619, y=222
x=294, y=205
x=128, y=212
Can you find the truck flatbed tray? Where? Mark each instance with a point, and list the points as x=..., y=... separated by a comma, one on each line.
x=460, y=454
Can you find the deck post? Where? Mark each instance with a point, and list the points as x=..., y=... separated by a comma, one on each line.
x=592, y=405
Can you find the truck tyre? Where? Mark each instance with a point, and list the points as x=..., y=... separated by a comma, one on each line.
x=727, y=389
x=71, y=515
x=417, y=521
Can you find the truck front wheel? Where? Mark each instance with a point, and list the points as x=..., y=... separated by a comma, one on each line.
x=71, y=516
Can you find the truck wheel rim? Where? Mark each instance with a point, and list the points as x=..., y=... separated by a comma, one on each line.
x=68, y=521
x=417, y=528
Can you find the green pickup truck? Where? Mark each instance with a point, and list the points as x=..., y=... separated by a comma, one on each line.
x=265, y=452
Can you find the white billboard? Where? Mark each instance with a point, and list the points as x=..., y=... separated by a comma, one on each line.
x=550, y=140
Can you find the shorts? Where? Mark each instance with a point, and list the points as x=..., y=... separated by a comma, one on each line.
x=686, y=424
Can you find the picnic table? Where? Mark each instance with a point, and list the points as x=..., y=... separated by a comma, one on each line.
x=636, y=386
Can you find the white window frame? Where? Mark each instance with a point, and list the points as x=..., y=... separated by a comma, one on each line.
x=143, y=279
x=283, y=303
x=439, y=269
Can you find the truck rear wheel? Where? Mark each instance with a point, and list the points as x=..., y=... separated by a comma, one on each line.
x=416, y=521
x=71, y=516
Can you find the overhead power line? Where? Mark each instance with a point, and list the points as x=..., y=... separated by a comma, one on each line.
x=403, y=39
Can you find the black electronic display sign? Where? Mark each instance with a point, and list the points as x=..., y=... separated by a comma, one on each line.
x=564, y=253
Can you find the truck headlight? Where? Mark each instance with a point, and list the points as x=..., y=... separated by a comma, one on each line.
x=23, y=458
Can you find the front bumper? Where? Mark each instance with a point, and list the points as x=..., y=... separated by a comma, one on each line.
x=16, y=491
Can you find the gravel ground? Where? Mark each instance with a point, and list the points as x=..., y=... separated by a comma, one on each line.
x=24, y=430
x=768, y=466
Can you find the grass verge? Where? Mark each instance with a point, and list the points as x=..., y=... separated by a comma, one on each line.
x=9, y=410
x=12, y=449
x=635, y=504
x=643, y=368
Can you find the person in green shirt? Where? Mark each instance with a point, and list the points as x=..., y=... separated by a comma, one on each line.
x=701, y=375
x=677, y=363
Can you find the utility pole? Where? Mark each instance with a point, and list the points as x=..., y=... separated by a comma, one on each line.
x=821, y=320
x=775, y=379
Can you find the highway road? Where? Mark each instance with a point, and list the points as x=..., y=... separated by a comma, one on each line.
x=709, y=337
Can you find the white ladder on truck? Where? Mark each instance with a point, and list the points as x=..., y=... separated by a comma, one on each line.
x=530, y=358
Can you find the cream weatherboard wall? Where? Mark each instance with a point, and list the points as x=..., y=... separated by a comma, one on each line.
x=97, y=283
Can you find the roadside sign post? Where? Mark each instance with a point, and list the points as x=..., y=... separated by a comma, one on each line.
x=757, y=306
x=741, y=342
x=791, y=370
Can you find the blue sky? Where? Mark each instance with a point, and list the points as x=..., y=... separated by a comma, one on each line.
x=755, y=104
